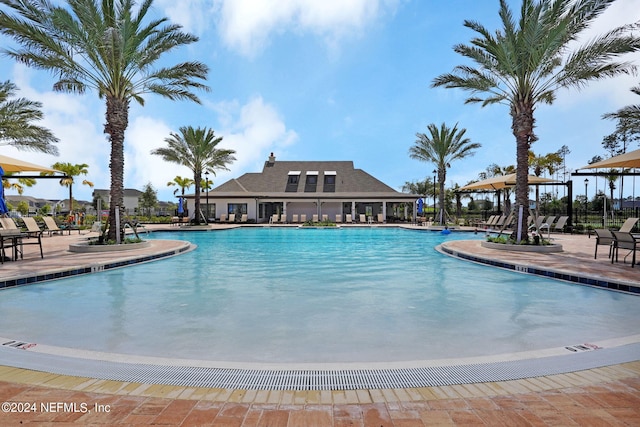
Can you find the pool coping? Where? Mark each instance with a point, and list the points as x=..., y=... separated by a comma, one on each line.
x=551, y=273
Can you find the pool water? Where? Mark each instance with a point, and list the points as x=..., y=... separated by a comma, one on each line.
x=314, y=295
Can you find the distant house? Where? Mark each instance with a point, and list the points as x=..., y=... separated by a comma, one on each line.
x=34, y=203
x=332, y=188
x=130, y=199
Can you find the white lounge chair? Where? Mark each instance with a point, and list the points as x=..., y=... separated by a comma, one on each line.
x=348, y=219
x=315, y=217
x=303, y=218
x=380, y=218
x=294, y=218
x=338, y=218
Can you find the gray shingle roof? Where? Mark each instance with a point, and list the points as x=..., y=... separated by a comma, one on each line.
x=272, y=181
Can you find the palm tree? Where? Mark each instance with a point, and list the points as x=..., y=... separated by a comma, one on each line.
x=197, y=150
x=527, y=61
x=182, y=183
x=548, y=163
x=630, y=112
x=442, y=147
x=70, y=171
x=16, y=123
x=18, y=186
x=108, y=47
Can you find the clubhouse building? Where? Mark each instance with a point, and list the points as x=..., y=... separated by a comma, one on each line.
x=291, y=189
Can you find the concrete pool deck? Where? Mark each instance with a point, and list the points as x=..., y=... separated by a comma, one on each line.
x=602, y=396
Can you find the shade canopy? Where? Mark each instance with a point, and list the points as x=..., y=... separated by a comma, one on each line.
x=9, y=164
x=626, y=160
x=503, y=181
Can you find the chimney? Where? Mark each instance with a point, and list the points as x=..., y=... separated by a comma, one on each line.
x=272, y=159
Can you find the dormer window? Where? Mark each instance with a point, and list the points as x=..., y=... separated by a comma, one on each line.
x=312, y=182
x=293, y=179
x=329, y=182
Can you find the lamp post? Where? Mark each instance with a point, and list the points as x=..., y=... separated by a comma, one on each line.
x=586, y=200
x=206, y=176
x=434, y=194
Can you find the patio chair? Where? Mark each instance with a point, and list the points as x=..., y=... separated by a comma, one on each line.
x=625, y=241
x=303, y=218
x=294, y=218
x=283, y=219
x=325, y=217
x=223, y=218
x=338, y=218
x=380, y=218
x=33, y=231
x=315, y=217
x=363, y=218
x=558, y=227
x=628, y=225
x=488, y=221
x=349, y=219
x=244, y=218
x=52, y=227
x=604, y=237
x=232, y=217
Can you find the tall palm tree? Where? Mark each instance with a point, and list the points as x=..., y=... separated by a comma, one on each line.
x=106, y=46
x=441, y=147
x=70, y=171
x=528, y=60
x=17, y=128
x=198, y=150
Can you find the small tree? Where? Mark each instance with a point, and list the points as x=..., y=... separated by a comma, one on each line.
x=149, y=199
x=23, y=208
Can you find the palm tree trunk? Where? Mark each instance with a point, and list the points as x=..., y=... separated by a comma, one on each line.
x=70, y=200
x=442, y=176
x=522, y=126
x=117, y=121
x=197, y=177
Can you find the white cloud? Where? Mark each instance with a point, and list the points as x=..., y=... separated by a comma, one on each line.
x=247, y=25
x=252, y=130
x=140, y=166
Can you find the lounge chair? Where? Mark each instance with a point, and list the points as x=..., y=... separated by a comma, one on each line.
x=52, y=227
x=325, y=218
x=303, y=218
x=348, y=219
x=33, y=231
x=283, y=219
x=380, y=218
x=604, y=237
x=363, y=218
x=624, y=240
x=244, y=218
x=489, y=221
x=558, y=227
x=338, y=218
x=232, y=217
x=223, y=218
x=294, y=218
x=315, y=217
x=628, y=225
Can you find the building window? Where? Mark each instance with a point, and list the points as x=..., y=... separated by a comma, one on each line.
x=237, y=208
x=292, y=181
x=311, y=182
x=329, y=184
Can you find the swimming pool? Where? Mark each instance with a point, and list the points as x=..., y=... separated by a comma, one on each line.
x=290, y=295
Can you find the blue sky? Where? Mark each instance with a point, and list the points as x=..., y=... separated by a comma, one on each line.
x=322, y=80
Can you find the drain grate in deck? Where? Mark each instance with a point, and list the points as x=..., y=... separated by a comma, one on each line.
x=349, y=379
